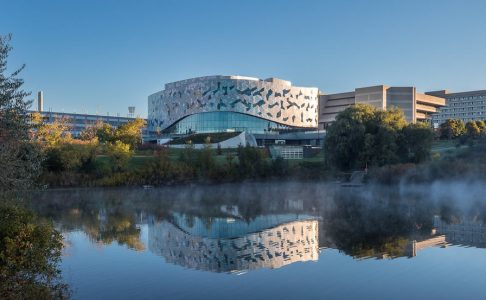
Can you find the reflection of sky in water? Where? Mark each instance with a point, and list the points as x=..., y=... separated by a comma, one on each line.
x=233, y=227
x=115, y=272
x=119, y=248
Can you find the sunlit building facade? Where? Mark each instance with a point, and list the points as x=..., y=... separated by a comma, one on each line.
x=415, y=106
x=232, y=103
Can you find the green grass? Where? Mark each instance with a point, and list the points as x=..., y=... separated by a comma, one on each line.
x=142, y=157
x=319, y=158
x=447, y=148
x=441, y=146
x=138, y=161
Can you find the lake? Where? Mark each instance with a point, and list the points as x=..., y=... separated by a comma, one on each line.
x=284, y=240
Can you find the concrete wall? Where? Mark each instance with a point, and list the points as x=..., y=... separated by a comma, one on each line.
x=403, y=98
x=416, y=106
x=331, y=105
x=374, y=95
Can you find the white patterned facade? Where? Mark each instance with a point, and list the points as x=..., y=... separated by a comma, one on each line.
x=270, y=248
x=271, y=99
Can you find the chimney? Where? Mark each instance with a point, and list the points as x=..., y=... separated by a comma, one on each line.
x=40, y=101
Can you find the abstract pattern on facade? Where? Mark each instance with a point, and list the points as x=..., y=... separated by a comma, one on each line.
x=271, y=248
x=271, y=99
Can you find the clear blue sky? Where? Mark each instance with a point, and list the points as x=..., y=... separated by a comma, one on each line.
x=106, y=55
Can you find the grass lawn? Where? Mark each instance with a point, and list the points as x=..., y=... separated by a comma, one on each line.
x=441, y=146
x=316, y=159
x=447, y=148
x=142, y=157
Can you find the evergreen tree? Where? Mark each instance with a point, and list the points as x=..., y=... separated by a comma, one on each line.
x=20, y=159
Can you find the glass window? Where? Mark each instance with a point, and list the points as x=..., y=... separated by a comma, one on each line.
x=223, y=122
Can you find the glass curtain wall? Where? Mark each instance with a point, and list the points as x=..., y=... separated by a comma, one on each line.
x=223, y=121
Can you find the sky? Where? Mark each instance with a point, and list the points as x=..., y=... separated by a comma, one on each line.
x=103, y=56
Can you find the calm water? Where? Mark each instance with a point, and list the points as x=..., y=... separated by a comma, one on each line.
x=272, y=241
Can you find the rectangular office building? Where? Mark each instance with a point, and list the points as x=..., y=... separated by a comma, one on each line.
x=416, y=106
x=465, y=106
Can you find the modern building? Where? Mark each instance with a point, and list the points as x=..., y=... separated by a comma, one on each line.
x=272, y=110
x=416, y=106
x=232, y=103
x=465, y=106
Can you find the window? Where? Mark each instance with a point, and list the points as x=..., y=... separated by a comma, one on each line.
x=223, y=121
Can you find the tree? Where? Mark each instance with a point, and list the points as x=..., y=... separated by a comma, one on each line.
x=74, y=156
x=365, y=136
x=53, y=134
x=205, y=158
x=30, y=250
x=131, y=133
x=482, y=127
x=472, y=129
x=345, y=138
x=452, y=128
x=187, y=155
x=119, y=154
x=19, y=159
x=104, y=132
x=416, y=142
x=251, y=162
x=381, y=135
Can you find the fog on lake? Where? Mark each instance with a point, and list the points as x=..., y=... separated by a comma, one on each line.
x=286, y=239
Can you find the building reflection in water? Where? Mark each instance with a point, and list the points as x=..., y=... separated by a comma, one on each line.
x=465, y=232
x=239, y=232
x=233, y=245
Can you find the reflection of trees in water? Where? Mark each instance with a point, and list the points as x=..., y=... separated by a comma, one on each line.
x=115, y=226
x=109, y=215
x=360, y=222
x=378, y=226
x=105, y=217
x=452, y=211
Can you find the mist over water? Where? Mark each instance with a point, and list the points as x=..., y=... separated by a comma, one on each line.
x=281, y=231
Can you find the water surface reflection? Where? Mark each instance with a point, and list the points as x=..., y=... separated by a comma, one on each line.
x=239, y=228
x=230, y=245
